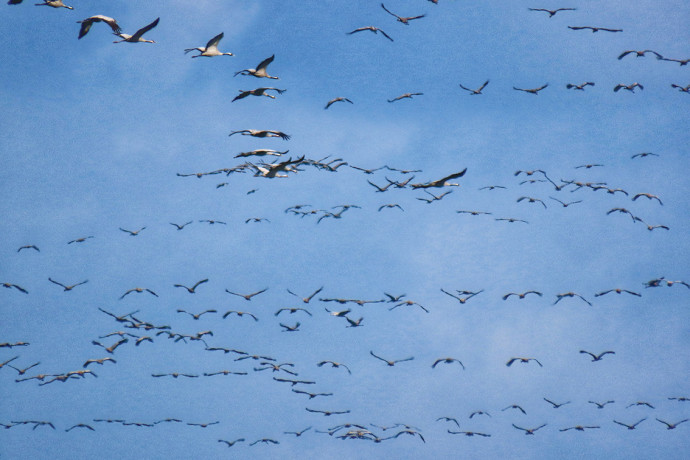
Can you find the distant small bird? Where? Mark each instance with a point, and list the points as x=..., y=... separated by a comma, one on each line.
x=682, y=62
x=639, y=54
x=559, y=297
x=556, y=405
x=448, y=361
x=335, y=364
x=132, y=233
x=328, y=413
x=311, y=395
x=298, y=433
x=534, y=91
x=29, y=246
x=639, y=403
x=479, y=412
x=261, y=133
x=111, y=349
x=470, y=433
x=211, y=48
x=617, y=291
x=552, y=12
x=475, y=91
x=443, y=182
x=579, y=428
x=337, y=99
x=564, y=204
x=260, y=71
x=373, y=29
x=601, y=405
x=491, y=187
x=511, y=219
x=196, y=316
x=404, y=20
x=213, y=222
x=180, y=227
x=405, y=96
x=80, y=240
x=390, y=363
x=599, y=356
x=631, y=87
x=67, y=288
x=671, y=426
x=288, y=328
x=449, y=419
x=203, y=425
x=240, y=314
x=192, y=290
x=247, y=296
x=175, y=375
x=136, y=38
x=138, y=290
x=16, y=286
x=391, y=205
x=521, y=295
x=88, y=22
x=97, y=361
x=531, y=200
x=52, y=3
x=644, y=154
x=474, y=213
x=522, y=360
x=594, y=29
x=630, y=427
x=529, y=431
x=265, y=441
x=258, y=92
x=231, y=443
x=79, y=425
x=648, y=196
x=306, y=299
x=292, y=310
x=580, y=87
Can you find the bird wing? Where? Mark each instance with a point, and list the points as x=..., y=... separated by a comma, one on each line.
x=137, y=35
x=385, y=34
x=200, y=282
x=263, y=64
x=213, y=43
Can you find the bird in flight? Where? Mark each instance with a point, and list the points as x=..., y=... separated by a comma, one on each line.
x=552, y=13
x=648, y=196
x=180, y=227
x=211, y=48
x=630, y=427
x=29, y=246
x=231, y=443
x=196, y=316
x=475, y=91
x=260, y=71
x=470, y=433
x=240, y=314
x=631, y=87
x=601, y=405
x=16, y=286
x=51, y=3
x=559, y=297
x=599, y=356
x=531, y=200
x=136, y=38
x=521, y=295
x=98, y=361
x=617, y=291
x=529, y=430
x=337, y=99
x=391, y=363
x=88, y=22
x=639, y=54
x=306, y=299
x=80, y=240
x=404, y=20
x=67, y=288
x=564, y=204
x=579, y=428
x=261, y=133
x=443, y=182
x=671, y=426
x=580, y=87
x=405, y=96
x=448, y=361
x=311, y=395
x=556, y=405
x=644, y=154
x=594, y=29
x=258, y=92
x=522, y=360
x=132, y=233
x=192, y=289
x=247, y=296
x=534, y=91
x=373, y=29
x=334, y=364
x=328, y=413
x=288, y=328
x=139, y=290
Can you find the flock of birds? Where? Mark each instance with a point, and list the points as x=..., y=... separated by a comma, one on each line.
x=141, y=333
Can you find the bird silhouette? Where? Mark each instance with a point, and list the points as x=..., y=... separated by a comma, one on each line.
x=88, y=22
x=192, y=289
x=475, y=91
x=403, y=20
x=671, y=426
x=391, y=363
x=258, y=92
x=405, y=96
x=534, y=91
x=522, y=360
x=67, y=288
x=448, y=361
x=376, y=30
x=529, y=431
x=630, y=427
x=337, y=99
x=132, y=232
x=16, y=286
x=247, y=296
x=552, y=13
x=556, y=405
x=594, y=29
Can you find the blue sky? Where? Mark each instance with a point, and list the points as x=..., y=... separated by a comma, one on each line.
x=95, y=133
